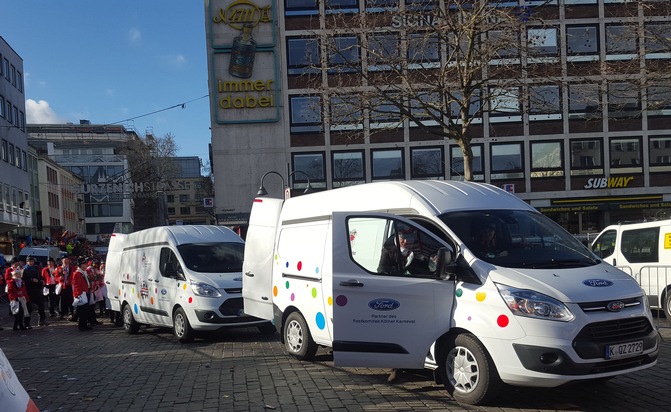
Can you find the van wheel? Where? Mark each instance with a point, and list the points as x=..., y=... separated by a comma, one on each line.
x=667, y=304
x=181, y=327
x=267, y=329
x=297, y=339
x=468, y=372
x=129, y=323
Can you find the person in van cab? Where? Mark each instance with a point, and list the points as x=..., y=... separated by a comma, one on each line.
x=487, y=244
x=402, y=255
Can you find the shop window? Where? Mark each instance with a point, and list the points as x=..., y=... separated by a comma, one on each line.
x=306, y=114
x=457, y=162
x=427, y=162
x=300, y=7
x=621, y=39
x=625, y=152
x=310, y=164
x=544, y=100
x=343, y=54
x=302, y=55
x=547, y=159
x=657, y=37
x=582, y=40
x=348, y=168
x=584, y=99
x=387, y=164
x=345, y=112
x=542, y=41
x=507, y=161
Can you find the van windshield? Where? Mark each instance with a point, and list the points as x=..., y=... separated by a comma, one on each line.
x=518, y=239
x=213, y=257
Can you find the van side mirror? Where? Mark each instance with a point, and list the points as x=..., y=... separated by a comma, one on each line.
x=457, y=269
x=171, y=270
x=444, y=258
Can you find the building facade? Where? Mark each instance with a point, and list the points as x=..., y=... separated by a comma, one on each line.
x=188, y=204
x=16, y=206
x=596, y=150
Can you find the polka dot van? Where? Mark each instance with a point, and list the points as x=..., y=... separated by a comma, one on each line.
x=459, y=277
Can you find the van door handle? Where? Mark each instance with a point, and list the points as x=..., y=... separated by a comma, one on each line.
x=250, y=274
x=352, y=282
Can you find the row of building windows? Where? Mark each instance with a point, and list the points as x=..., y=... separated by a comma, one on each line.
x=545, y=102
x=303, y=53
x=10, y=73
x=13, y=200
x=13, y=155
x=12, y=114
x=506, y=160
x=182, y=211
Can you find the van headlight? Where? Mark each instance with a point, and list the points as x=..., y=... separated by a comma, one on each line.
x=524, y=302
x=203, y=289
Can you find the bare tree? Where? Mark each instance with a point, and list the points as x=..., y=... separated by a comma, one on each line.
x=439, y=66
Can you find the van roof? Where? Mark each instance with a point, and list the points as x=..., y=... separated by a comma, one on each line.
x=432, y=197
x=183, y=234
x=641, y=225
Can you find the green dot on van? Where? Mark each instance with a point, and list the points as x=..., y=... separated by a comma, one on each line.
x=286, y=285
x=314, y=292
x=459, y=292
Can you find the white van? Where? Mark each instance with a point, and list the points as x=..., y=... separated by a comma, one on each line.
x=540, y=310
x=184, y=277
x=40, y=253
x=644, y=251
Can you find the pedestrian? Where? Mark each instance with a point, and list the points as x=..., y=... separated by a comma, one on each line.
x=35, y=286
x=80, y=290
x=19, y=299
x=50, y=276
x=65, y=272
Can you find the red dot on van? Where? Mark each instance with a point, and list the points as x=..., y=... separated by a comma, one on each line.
x=300, y=265
x=503, y=321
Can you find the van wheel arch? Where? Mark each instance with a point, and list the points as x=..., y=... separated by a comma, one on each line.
x=666, y=302
x=298, y=340
x=288, y=311
x=181, y=327
x=130, y=325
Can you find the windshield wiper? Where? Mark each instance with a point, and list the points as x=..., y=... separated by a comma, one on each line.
x=555, y=264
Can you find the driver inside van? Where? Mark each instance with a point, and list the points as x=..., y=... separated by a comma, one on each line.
x=401, y=255
x=487, y=244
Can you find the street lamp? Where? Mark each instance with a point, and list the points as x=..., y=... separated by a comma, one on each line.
x=308, y=189
x=262, y=190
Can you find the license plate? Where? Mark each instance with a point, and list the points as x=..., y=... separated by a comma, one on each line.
x=623, y=350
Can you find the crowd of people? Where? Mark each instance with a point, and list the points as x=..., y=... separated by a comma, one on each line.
x=68, y=288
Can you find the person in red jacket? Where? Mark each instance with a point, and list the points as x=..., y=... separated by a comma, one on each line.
x=10, y=269
x=50, y=276
x=65, y=272
x=81, y=286
x=16, y=289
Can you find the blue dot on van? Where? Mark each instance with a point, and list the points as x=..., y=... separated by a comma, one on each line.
x=135, y=309
x=321, y=321
x=317, y=270
x=286, y=264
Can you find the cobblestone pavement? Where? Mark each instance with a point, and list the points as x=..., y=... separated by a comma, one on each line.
x=240, y=370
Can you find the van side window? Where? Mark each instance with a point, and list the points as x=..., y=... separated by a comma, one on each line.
x=390, y=247
x=169, y=265
x=641, y=245
x=604, y=245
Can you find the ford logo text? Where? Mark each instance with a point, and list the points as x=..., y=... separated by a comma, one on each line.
x=597, y=283
x=383, y=304
x=615, y=306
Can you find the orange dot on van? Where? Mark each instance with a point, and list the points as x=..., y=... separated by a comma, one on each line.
x=151, y=300
x=274, y=290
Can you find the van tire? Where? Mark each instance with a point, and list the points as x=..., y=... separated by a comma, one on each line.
x=468, y=372
x=667, y=304
x=129, y=323
x=267, y=329
x=297, y=339
x=181, y=327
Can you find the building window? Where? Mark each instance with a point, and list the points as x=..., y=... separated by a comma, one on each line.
x=507, y=41
x=170, y=198
x=427, y=162
x=345, y=112
x=12, y=159
x=300, y=7
x=457, y=161
x=19, y=81
x=2, y=107
x=306, y=114
x=5, y=151
x=625, y=152
x=657, y=37
x=311, y=164
x=382, y=50
x=344, y=54
x=383, y=110
x=387, y=164
x=623, y=97
x=423, y=48
x=8, y=113
x=24, y=161
x=586, y=154
x=582, y=40
x=6, y=68
x=660, y=151
x=171, y=211
x=621, y=39
x=116, y=209
x=184, y=198
x=184, y=210
x=380, y=5
x=425, y=105
x=507, y=161
x=542, y=41
x=544, y=100
x=659, y=98
x=504, y=102
x=342, y=6
x=348, y=168
x=584, y=99
x=302, y=55
x=547, y=159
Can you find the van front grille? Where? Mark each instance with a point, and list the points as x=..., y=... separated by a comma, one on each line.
x=231, y=307
x=589, y=307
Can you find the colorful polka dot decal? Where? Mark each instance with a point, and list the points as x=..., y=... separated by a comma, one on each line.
x=275, y=291
x=299, y=266
x=320, y=320
x=502, y=321
x=480, y=296
x=459, y=292
x=341, y=300
x=314, y=292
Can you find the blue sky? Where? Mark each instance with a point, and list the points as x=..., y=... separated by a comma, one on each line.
x=108, y=61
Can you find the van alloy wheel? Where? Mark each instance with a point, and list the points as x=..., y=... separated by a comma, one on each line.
x=129, y=323
x=297, y=338
x=181, y=327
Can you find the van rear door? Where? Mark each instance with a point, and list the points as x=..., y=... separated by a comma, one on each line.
x=257, y=267
x=385, y=319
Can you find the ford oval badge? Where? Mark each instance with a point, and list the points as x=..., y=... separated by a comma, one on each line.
x=615, y=306
x=597, y=283
x=383, y=304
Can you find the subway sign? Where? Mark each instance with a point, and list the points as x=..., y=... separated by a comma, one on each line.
x=608, y=182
